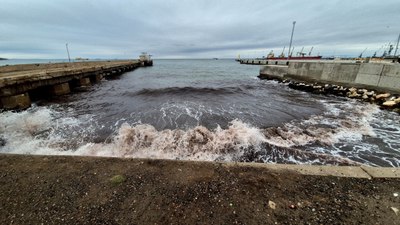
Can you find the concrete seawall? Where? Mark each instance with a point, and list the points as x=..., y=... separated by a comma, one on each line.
x=18, y=83
x=377, y=76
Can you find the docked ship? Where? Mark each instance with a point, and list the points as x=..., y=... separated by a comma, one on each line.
x=300, y=56
x=295, y=58
x=145, y=59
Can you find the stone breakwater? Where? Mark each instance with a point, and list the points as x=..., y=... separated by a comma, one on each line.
x=376, y=83
x=385, y=100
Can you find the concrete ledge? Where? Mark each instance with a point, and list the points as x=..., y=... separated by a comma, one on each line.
x=366, y=172
x=95, y=190
x=380, y=172
x=337, y=171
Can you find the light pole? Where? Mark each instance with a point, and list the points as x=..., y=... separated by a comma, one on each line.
x=397, y=46
x=69, y=59
x=291, y=38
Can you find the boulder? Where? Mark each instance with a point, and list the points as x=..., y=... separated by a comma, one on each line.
x=352, y=89
x=389, y=103
x=352, y=95
x=362, y=91
x=370, y=93
x=380, y=96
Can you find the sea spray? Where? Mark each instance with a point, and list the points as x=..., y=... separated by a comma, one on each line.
x=319, y=139
x=326, y=129
x=42, y=130
x=197, y=143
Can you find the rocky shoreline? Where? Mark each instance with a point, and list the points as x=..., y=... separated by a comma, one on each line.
x=385, y=100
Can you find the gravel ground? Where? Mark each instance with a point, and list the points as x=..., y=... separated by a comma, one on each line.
x=84, y=190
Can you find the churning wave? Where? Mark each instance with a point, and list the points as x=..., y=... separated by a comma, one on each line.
x=45, y=130
x=192, y=91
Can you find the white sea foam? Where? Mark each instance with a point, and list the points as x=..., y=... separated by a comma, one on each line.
x=43, y=130
x=317, y=140
x=331, y=127
x=198, y=143
x=40, y=130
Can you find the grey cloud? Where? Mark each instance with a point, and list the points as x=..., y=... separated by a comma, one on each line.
x=120, y=29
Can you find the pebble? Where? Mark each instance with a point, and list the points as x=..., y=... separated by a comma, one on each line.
x=395, y=210
x=272, y=204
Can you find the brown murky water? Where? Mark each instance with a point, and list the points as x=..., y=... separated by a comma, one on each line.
x=204, y=110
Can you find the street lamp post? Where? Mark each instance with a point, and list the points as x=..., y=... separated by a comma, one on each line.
x=397, y=46
x=69, y=59
x=291, y=38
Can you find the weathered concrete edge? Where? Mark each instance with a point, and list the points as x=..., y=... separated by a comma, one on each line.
x=365, y=172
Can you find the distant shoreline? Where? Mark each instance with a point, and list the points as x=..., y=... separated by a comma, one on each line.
x=3, y=59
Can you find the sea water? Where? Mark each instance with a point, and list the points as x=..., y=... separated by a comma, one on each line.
x=215, y=110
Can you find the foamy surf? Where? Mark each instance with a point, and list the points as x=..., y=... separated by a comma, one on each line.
x=333, y=126
x=198, y=143
x=316, y=140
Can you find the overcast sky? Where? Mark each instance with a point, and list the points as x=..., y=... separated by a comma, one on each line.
x=194, y=29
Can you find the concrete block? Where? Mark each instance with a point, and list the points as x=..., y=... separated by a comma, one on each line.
x=390, y=82
x=21, y=101
x=328, y=69
x=367, y=79
x=348, y=72
x=344, y=72
x=96, y=78
x=273, y=71
x=297, y=68
x=84, y=81
x=308, y=70
x=392, y=70
x=371, y=68
x=60, y=89
x=382, y=172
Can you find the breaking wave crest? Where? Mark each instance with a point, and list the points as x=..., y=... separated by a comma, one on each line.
x=239, y=142
x=199, y=143
x=45, y=130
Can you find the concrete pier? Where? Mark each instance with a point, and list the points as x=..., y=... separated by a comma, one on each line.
x=376, y=76
x=17, y=81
